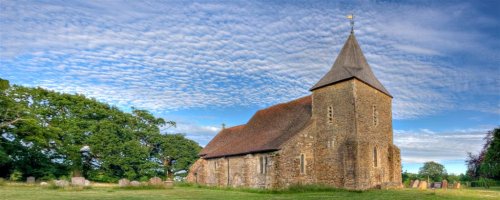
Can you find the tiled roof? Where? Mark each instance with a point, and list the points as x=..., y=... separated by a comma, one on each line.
x=350, y=63
x=267, y=130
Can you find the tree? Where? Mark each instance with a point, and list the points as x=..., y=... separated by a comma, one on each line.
x=486, y=164
x=490, y=167
x=176, y=153
x=433, y=170
x=49, y=134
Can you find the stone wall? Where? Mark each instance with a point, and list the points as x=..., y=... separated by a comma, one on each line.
x=235, y=171
x=287, y=165
x=374, y=131
x=339, y=147
x=334, y=161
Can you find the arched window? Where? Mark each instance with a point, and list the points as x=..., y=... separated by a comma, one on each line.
x=302, y=164
x=375, y=157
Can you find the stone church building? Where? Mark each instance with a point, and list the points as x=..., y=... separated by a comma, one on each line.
x=340, y=135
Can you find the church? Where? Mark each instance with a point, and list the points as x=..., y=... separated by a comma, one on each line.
x=340, y=136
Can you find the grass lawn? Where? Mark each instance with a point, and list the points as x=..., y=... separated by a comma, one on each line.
x=21, y=192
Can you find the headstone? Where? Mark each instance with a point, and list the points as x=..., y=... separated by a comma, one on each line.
x=444, y=184
x=86, y=183
x=422, y=185
x=155, y=181
x=135, y=184
x=61, y=183
x=123, y=182
x=168, y=184
x=436, y=185
x=456, y=185
x=415, y=184
x=30, y=180
x=43, y=184
x=78, y=181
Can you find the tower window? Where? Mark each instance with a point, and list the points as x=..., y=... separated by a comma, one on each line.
x=375, y=160
x=375, y=115
x=330, y=114
x=302, y=164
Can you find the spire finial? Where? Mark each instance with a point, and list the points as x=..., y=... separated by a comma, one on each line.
x=351, y=18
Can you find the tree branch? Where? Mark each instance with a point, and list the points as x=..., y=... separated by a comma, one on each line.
x=6, y=124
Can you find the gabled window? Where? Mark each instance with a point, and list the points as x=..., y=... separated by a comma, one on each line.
x=330, y=114
x=375, y=115
x=375, y=157
x=302, y=164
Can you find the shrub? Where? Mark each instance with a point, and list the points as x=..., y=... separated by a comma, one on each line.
x=16, y=176
x=406, y=183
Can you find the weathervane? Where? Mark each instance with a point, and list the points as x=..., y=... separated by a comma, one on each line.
x=351, y=18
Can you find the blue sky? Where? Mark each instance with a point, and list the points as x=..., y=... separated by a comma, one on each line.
x=207, y=63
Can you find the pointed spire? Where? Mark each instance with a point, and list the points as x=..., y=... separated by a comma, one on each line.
x=350, y=63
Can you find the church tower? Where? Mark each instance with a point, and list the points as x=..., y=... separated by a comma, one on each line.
x=352, y=116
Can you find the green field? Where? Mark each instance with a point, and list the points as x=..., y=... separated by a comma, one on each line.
x=20, y=192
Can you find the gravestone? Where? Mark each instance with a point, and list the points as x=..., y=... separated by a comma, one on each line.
x=30, y=180
x=422, y=185
x=436, y=185
x=62, y=183
x=43, y=184
x=86, y=183
x=168, y=184
x=135, y=184
x=444, y=184
x=155, y=181
x=415, y=184
x=456, y=185
x=77, y=181
x=123, y=182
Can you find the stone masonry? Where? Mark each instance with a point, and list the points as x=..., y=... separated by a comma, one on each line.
x=347, y=141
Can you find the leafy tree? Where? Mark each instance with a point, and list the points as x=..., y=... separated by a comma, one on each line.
x=176, y=153
x=490, y=167
x=408, y=177
x=50, y=134
x=433, y=170
x=487, y=162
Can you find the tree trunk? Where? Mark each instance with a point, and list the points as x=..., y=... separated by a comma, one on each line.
x=168, y=172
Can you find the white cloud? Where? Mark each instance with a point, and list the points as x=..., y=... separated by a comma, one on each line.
x=426, y=145
x=164, y=56
x=198, y=133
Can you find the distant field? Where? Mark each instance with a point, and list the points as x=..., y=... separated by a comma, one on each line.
x=20, y=192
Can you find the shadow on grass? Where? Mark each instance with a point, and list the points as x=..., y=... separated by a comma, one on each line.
x=142, y=187
x=289, y=190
